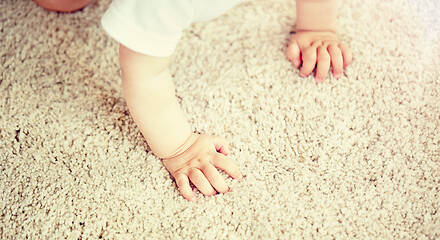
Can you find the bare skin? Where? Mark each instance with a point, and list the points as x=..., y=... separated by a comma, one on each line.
x=198, y=164
x=150, y=96
x=63, y=5
x=315, y=44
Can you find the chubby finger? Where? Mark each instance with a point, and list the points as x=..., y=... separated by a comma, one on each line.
x=294, y=52
x=215, y=178
x=199, y=180
x=226, y=164
x=336, y=60
x=309, y=61
x=346, y=54
x=323, y=64
x=184, y=187
x=221, y=145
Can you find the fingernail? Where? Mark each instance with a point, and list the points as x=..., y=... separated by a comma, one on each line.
x=302, y=74
x=240, y=176
x=193, y=199
x=338, y=75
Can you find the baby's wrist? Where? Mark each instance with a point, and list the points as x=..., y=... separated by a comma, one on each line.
x=182, y=148
x=317, y=15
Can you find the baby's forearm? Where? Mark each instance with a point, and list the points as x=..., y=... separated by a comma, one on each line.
x=317, y=15
x=150, y=96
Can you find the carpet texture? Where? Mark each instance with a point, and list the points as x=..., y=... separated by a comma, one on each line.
x=355, y=158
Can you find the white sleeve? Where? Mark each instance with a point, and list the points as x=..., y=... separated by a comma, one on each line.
x=151, y=27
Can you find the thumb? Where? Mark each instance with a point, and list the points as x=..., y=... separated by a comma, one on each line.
x=294, y=53
x=221, y=145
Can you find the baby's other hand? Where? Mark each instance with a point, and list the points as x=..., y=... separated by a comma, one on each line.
x=318, y=49
x=198, y=164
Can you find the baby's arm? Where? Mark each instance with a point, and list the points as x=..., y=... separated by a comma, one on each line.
x=315, y=43
x=150, y=96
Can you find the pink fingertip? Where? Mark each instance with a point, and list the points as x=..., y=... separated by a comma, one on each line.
x=193, y=199
x=319, y=80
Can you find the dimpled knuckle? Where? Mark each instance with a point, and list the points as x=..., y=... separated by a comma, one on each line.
x=316, y=44
x=193, y=163
x=199, y=161
x=192, y=172
x=204, y=167
x=334, y=51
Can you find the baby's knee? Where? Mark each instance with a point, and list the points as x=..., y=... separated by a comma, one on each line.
x=63, y=5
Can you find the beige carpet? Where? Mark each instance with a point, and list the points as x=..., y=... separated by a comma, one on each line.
x=356, y=158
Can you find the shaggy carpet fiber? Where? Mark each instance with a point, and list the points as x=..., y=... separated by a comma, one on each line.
x=355, y=158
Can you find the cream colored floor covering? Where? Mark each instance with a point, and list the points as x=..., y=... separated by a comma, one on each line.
x=356, y=158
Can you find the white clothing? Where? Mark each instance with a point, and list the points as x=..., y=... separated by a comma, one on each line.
x=154, y=27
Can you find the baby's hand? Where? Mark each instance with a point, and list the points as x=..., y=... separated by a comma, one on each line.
x=318, y=49
x=198, y=165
